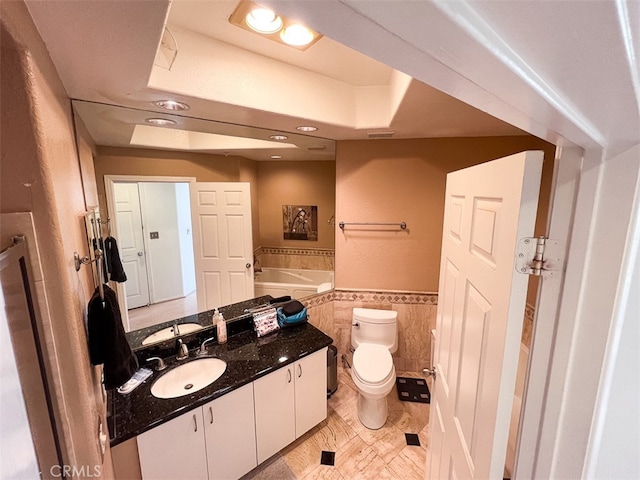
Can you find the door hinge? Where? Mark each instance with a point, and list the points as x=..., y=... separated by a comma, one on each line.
x=537, y=256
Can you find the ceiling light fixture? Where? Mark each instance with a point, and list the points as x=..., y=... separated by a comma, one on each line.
x=171, y=105
x=278, y=137
x=307, y=128
x=276, y=157
x=296, y=35
x=265, y=22
x=160, y=122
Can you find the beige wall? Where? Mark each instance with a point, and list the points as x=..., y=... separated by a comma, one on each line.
x=203, y=167
x=404, y=181
x=296, y=183
x=272, y=185
x=40, y=173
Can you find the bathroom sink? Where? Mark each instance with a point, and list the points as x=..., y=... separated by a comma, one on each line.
x=188, y=378
x=167, y=333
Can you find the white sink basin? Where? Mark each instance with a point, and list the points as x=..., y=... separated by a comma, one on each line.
x=188, y=378
x=167, y=333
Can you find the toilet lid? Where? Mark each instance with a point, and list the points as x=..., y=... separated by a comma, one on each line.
x=372, y=363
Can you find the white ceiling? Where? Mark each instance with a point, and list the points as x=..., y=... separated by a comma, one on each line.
x=563, y=70
x=105, y=50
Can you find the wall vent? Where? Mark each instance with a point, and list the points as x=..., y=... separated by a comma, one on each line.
x=316, y=148
x=387, y=134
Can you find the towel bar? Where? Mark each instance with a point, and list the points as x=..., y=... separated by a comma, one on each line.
x=402, y=225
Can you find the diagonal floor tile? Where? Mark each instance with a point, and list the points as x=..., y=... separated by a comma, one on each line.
x=387, y=441
x=358, y=460
x=335, y=433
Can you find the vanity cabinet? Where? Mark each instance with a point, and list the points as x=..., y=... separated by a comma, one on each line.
x=230, y=434
x=216, y=441
x=289, y=402
x=174, y=449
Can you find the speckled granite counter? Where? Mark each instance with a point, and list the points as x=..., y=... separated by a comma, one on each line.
x=248, y=358
x=231, y=313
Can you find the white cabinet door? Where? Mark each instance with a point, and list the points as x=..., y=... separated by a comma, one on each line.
x=230, y=434
x=275, y=411
x=311, y=391
x=174, y=450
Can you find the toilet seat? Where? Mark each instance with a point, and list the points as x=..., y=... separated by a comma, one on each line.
x=372, y=364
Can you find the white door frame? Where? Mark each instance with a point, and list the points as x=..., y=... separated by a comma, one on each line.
x=109, y=180
x=564, y=190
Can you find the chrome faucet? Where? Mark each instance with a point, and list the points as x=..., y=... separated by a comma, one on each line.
x=176, y=331
x=203, y=350
x=161, y=365
x=183, y=351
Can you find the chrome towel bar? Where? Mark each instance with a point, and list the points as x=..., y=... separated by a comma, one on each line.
x=402, y=225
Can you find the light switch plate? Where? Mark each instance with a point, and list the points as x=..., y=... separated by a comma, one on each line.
x=154, y=235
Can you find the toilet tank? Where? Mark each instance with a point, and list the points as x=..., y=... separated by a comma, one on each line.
x=375, y=326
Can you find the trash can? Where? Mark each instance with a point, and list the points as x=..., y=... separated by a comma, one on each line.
x=332, y=370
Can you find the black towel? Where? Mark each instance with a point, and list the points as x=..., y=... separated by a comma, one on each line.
x=107, y=341
x=114, y=265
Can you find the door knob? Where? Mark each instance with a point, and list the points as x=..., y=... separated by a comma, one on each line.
x=140, y=254
x=248, y=265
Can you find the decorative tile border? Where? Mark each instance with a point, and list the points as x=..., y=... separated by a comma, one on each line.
x=318, y=299
x=390, y=297
x=372, y=297
x=324, y=252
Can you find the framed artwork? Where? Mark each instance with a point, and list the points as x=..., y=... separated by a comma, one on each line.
x=300, y=222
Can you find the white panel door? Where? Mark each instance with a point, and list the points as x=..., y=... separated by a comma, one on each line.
x=223, y=246
x=131, y=243
x=480, y=313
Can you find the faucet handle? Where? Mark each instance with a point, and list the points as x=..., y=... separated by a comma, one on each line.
x=183, y=351
x=161, y=365
x=203, y=350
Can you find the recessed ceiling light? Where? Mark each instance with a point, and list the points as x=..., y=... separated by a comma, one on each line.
x=278, y=137
x=307, y=128
x=296, y=35
x=276, y=157
x=263, y=20
x=161, y=122
x=171, y=105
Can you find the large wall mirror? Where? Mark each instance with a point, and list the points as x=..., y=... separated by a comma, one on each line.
x=147, y=168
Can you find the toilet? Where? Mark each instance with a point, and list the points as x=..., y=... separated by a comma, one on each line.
x=374, y=335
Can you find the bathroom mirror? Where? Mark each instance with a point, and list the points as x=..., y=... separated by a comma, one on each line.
x=132, y=147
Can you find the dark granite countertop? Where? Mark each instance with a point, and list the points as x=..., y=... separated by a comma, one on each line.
x=248, y=358
x=231, y=313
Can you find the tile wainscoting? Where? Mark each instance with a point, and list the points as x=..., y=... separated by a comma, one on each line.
x=331, y=312
x=305, y=258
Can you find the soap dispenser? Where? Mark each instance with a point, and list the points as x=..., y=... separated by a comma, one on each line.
x=221, y=326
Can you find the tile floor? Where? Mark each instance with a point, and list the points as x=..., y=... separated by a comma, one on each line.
x=162, y=312
x=360, y=453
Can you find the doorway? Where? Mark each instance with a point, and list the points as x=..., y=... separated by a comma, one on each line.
x=155, y=235
x=152, y=223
